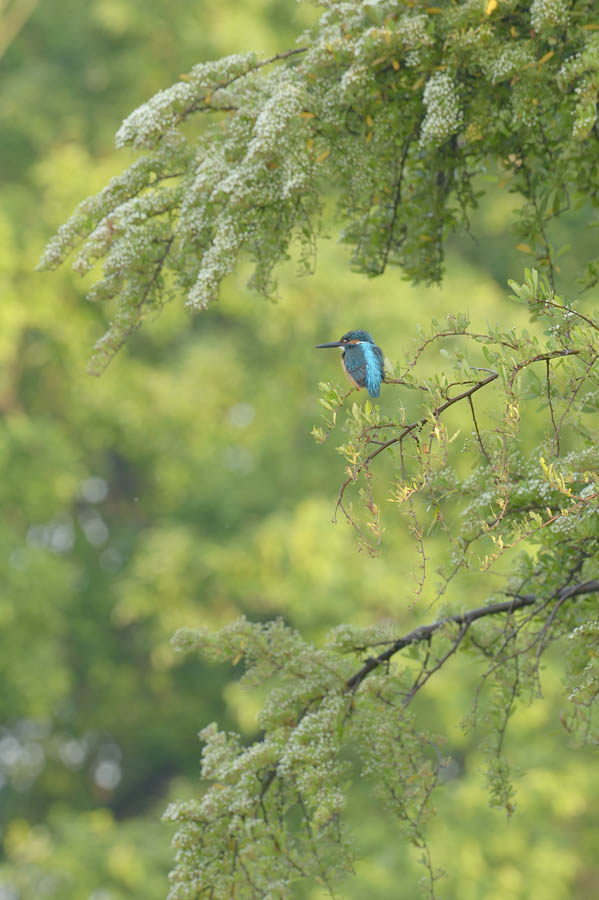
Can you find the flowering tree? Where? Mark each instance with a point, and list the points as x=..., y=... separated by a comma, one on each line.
x=395, y=108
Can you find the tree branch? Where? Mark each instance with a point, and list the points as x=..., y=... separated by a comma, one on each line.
x=420, y=423
x=225, y=84
x=424, y=632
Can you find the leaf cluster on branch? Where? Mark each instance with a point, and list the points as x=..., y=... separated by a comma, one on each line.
x=395, y=107
x=242, y=839
x=274, y=812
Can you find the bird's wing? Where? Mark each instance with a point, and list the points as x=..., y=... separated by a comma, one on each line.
x=355, y=367
x=381, y=359
x=375, y=371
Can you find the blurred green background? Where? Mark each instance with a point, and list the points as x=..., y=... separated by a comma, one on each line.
x=183, y=488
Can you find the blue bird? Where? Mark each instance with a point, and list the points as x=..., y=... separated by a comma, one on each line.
x=362, y=360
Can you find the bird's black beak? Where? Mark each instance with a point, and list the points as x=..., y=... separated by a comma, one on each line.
x=332, y=344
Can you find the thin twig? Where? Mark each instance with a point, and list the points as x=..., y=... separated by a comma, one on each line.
x=550, y=401
x=405, y=431
x=479, y=438
x=581, y=381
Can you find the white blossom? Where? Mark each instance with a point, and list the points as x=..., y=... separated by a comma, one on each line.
x=443, y=113
x=548, y=14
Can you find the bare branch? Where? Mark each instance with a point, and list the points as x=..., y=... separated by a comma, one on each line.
x=424, y=632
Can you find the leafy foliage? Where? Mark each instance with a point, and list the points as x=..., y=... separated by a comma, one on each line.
x=489, y=502
x=397, y=109
x=395, y=106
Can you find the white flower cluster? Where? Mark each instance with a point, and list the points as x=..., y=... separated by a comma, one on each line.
x=211, y=169
x=473, y=38
x=443, y=113
x=415, y=37
x=506, y=63
x=217, y=262
x=148, y=123
x=294, y=178
x=284, y=103
x=590, y=627
x=224, y=196
x=548, y=14
x=582, y=67
x=122, y=223
x=90, y=212
x=355, y=80
x=587, y=679
x=406, y=39
x=580, y=63
x=586, y=109
x=219, y=71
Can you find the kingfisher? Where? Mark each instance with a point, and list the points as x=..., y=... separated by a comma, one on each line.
x=361, y=359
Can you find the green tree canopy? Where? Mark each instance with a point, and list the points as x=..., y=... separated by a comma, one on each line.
x=396, y=107
x=396, y=110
